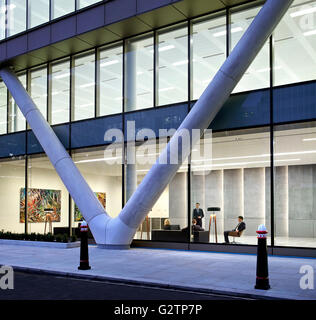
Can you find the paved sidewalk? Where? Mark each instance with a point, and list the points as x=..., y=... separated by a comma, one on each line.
x=214, y=272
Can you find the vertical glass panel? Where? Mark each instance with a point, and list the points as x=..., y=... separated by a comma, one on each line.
x=3, y=108
x=16, y=11
x=110, y=80
x=47, y=197
x=60, y=91
x=38, y=12
x=85, y=3
x=209, y=51
x=258, y=74
x=172, y=65
x=232, y=179
x=295, y=185
x=38, y=89
x=2, y=19
x=12, y=183
x=103, y=173
x=84, y=86
x=17, y=121
x=62, y=7
x=168, y=219
x=139, y=79
x=295, y=44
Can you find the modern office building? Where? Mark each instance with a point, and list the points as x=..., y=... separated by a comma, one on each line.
x=91, y=66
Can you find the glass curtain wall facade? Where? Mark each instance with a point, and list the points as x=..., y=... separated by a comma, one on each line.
x=255, y=169
x=17, y=16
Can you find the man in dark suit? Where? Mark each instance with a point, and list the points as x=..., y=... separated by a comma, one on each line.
x=198, y=214
x=241, y=226
x=195, y=226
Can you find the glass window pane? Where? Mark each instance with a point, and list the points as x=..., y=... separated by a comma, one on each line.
x=209, y=51
x=110, y=80
x=16, y=16
x=38, y=89
x=84, y=86
x=139, y=79
x=2, y=19
x=85, y=3
x=12, y=182
x=233, y=175
x=46, y=192
x=62, y=7
x=17, y=121
x=60, y=92
x=103, y=175
x=172, y=66
x=295, y=45
x=3, y=108
x=295, y=185
x=258, y=74
x=38, y=12
x=170, y=210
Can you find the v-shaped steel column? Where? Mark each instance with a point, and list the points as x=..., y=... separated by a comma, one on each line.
x=118, y=232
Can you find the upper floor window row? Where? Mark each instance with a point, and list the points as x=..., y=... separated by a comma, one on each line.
x=19, y=15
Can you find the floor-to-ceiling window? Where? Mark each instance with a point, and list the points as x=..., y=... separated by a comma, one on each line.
x=233, y=178
x=3, y=108
x=295, y=44
x=12, y=184
x=110, y=85
x=172, y=65
x=2, y=19
x=62, y=7
x=84, y=86
x=16, y=16
x=295, y=184
x=60, y=91
x=139, y=73
x=258, y=74
x=38, y=88
x=17, y=121
x=38, y=12
x=209, y=50
x=84, y=3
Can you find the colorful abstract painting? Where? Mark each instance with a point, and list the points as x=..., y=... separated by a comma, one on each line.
x=39, y=203
x=102, y=198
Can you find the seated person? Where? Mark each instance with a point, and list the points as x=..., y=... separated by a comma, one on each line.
x=166, y=224
x=195, y=226
x=241, y=226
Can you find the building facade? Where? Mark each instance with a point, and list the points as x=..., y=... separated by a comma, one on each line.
x=91, y=66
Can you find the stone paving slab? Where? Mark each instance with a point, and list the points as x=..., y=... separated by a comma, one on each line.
x=202, y=271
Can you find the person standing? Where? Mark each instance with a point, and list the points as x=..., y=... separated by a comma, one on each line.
x=198, y=214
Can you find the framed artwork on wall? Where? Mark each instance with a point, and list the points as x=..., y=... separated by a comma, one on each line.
x=39, y=202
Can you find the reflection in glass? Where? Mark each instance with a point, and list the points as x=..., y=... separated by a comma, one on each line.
x=38, y=12
x=110, y=80
x=17, y=121
x=84, y=86
x=38, y=89
x=172, y=66
x=295, y=185
x=60, y=88
x=209, y=51
x=62, y=7
x=139, y=79
x=16, y=11
x=3, y=108
x=258, y=74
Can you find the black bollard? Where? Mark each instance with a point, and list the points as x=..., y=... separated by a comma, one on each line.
x=262, y=280
x=84, y=253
